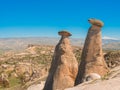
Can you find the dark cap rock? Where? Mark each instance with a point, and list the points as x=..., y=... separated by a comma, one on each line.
x=64, y=33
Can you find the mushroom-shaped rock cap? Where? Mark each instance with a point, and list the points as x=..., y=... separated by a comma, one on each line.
x=96, y=22
x=64, y=33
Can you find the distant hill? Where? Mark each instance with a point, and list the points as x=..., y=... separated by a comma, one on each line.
x=111, y=44
x=17, y=44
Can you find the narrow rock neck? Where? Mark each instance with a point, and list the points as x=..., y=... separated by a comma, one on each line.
x=64, y=40
x=94, y=30
x=63, y=37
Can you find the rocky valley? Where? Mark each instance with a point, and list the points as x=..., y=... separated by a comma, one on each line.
x=31, y=65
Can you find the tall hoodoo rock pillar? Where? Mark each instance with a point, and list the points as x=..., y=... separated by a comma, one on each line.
x=64, y=66
x=92, y=60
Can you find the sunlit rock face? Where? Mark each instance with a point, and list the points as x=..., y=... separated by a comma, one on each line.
x=64, y=66
x=92, y=60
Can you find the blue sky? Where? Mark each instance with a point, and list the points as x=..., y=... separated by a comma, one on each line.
x=34, y=18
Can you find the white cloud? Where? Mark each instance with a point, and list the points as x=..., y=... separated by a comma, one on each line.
x=106, y=37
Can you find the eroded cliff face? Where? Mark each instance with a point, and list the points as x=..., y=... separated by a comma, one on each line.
x=92, y=60
x=64, y=66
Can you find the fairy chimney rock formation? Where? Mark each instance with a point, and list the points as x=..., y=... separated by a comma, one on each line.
x=64, y=66
x=92, y=60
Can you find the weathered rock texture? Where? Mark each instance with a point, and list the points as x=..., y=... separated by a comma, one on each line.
x=112, y=58
x=92, y=60
x=4, y=80
x=64, y=66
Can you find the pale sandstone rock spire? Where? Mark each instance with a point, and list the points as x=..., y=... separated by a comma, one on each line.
x=92, y=60
x=64, y=66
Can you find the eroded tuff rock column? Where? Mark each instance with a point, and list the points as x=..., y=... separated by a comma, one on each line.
x=64, y=66
x=92, y=61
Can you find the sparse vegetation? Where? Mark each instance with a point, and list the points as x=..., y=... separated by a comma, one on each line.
x=39, y=57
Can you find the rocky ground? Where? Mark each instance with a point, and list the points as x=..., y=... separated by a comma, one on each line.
x=39, y=86
x=28, y=69
x=110, y=82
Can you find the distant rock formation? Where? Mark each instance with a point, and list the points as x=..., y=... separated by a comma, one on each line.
x=64, y=66
x=92, y=60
